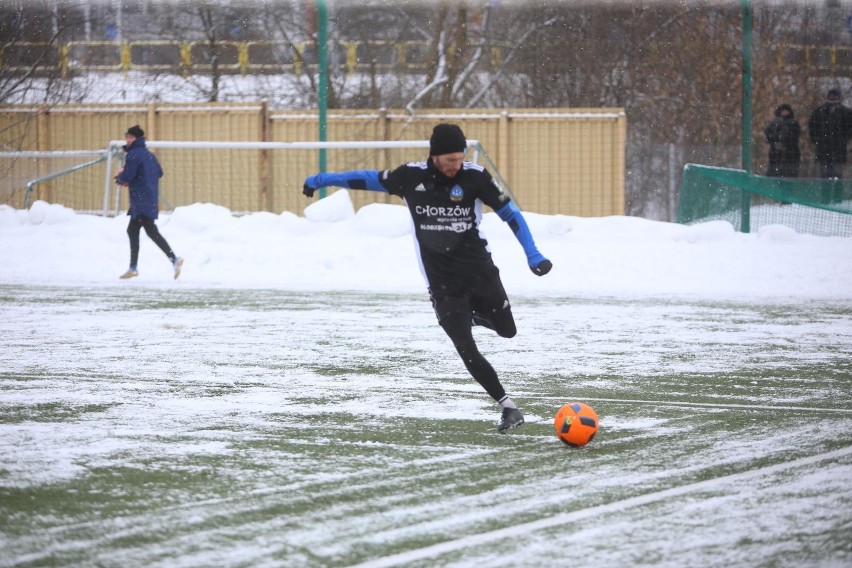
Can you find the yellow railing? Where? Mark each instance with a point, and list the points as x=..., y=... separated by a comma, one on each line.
x=833, y=57
x=232, y=56
x=245, y=57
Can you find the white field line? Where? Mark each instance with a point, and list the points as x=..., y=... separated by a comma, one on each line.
x=706, y=404
x=574, y=516
x=299, y=491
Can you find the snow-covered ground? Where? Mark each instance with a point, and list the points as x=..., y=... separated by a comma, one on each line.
x=332, y=247
x=290, y=400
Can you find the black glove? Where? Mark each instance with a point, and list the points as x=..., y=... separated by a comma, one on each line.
x=311, y=184
x=542, y=267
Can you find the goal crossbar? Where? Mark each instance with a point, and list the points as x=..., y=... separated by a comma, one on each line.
x=116, y=144
x=477, y=154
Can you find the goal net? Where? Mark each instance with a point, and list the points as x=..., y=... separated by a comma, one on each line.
x=266, y=176
x=67, y=177
x=241, y=176
x=749, y=202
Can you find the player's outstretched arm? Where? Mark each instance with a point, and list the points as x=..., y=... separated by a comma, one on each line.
x=512, y=215
x=355, y=179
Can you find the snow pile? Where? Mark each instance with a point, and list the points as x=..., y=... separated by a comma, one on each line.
x=333, y=247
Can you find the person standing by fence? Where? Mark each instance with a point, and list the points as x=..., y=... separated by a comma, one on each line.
x=141, y=175
x=783, y=137
x=830, y=129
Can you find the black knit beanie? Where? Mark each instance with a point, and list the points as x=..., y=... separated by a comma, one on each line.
x=446, y=139
x=135, y=131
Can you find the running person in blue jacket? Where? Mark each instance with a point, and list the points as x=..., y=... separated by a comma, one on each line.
x=444, y=195
x=141, y=174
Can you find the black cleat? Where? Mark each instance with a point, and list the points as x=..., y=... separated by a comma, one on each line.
x=479, y=319
x=512, y=418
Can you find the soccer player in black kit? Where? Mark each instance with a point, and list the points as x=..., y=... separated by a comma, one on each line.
x=444, y=195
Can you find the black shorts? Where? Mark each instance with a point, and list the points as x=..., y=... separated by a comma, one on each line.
x=482, y=293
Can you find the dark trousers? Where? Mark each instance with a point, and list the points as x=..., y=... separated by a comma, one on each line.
x=829, y=169
x=783, y=169
x=456, y=316
x=137, y=223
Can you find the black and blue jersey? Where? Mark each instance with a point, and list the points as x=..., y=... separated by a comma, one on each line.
x=446, y=214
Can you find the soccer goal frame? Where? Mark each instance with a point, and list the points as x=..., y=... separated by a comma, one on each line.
x=28, y=169
x=114, y=157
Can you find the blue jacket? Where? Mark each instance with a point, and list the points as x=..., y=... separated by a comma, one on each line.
x=141, y=173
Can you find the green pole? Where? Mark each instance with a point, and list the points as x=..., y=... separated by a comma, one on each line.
x=747, y=48
x=746, y=156
x=322, y=95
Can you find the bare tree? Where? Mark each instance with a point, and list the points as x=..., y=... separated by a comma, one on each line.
x=30, y=68
x=212, y=23
x=674, y=67
x=213, y=27
x=454, y=54
x=299, y=29
x=785, y=74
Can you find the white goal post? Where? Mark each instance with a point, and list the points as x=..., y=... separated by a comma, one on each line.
x=26, y=170
x=232, y=156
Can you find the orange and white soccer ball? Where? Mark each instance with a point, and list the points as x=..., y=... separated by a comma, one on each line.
x=576, y=424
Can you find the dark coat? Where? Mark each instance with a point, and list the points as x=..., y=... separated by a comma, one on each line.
x=830, y=129
x=141, y=173
x=783, y=137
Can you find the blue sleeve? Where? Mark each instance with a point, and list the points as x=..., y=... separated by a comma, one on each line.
x=510, y=214
x=355, y=179
x=129, y=170
x=159, y=167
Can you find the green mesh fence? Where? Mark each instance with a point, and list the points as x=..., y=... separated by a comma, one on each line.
x=748, y=201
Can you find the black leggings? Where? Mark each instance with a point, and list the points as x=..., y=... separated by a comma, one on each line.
x=137, y=223
x=458, y=327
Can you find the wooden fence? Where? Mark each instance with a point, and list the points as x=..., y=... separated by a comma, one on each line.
x=566, y=161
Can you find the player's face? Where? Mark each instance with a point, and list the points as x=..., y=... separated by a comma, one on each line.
x=449, y=164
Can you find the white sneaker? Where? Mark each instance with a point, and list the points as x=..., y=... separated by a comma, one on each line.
x=178, y=263
x=129, y=274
